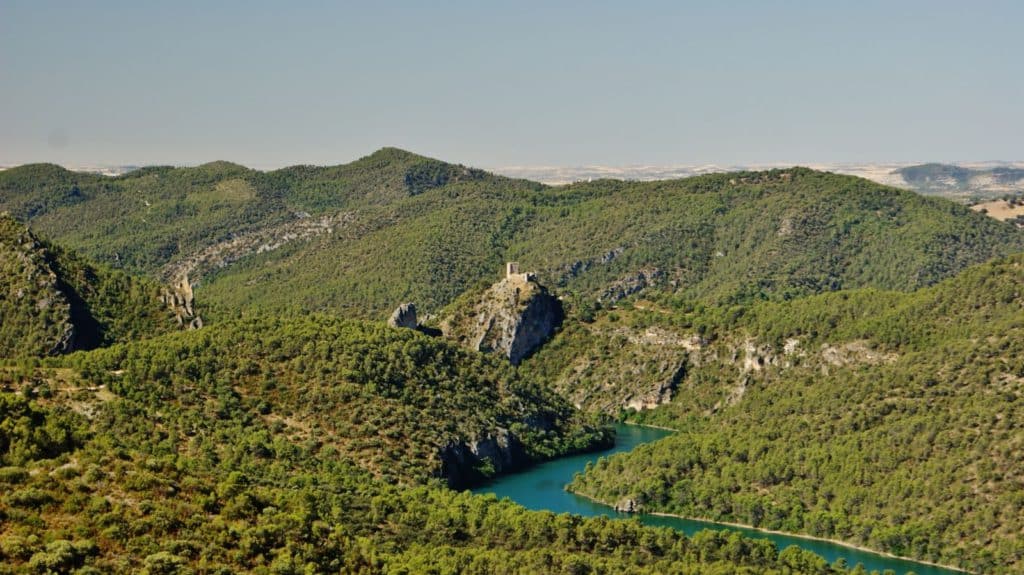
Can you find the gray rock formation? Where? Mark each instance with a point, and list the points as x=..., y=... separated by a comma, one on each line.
x=31, y=298
x=646, y=370
x=463, y=462
x=180, y=300
x=627, y=506
x=512, y=318
x=630, y=285
x=225, y=253
x=404, y=316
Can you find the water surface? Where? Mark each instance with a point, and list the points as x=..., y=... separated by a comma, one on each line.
x=542, y=487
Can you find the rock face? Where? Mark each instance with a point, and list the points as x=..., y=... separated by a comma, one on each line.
x=627, y=505
x=464, y=463
x=53, y=302
x=35, y=314
x=630, y=285
x=404, y=316
x=225, y=253
x=180, y=300
x=513, y=318
x=646, y=370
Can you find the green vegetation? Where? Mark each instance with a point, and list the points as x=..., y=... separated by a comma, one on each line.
x=154, y=216
x=732, y=237
x=408, y=228
x=52, y=301
x=395, y=400
x=839, y=360
x=885, y=419
x=290, y=447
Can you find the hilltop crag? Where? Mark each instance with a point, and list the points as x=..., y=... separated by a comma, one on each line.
x=513, y=317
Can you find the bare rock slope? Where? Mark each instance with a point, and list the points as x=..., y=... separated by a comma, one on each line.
x=513, y=318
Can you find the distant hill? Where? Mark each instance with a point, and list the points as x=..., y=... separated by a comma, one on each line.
x=152, y=216
x=973, y=181
x=52, y=301
x=964, y=182
x=395, y=226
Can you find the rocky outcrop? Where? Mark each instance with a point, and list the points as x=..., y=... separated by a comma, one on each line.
x=512, y=318
x=54, y=302
x=579, y=267
x=627, y=505
x=35, y=315
x=180, y=299
x=859, y=352
x=224, y=253
x=404, y=316
x=628, y=368
x=631, y=284
x=466, y=462
x=659, y=393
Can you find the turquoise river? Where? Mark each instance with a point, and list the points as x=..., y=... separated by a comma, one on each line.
x=542, y=487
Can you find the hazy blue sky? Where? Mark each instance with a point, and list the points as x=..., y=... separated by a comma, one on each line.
x=557, y=83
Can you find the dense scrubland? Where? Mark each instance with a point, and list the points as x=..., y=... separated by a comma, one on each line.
x=840, y=359
x=296, y=446
x=404, y=227
x=885, y=419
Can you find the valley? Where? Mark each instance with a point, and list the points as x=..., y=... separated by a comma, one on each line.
x=542, y=488
x=835, y=358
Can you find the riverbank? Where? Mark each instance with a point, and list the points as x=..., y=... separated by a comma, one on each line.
x=542, y=488
x=815, y=538
x=839, y=542
x=651, y=425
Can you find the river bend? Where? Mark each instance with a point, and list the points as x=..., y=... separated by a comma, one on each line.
x=542, y=487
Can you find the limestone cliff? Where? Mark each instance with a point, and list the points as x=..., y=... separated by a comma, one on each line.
x=180, y=299
x=467, y=462
x=513, y=318
x=631, y=358
x=404, y=316
x=609, y=366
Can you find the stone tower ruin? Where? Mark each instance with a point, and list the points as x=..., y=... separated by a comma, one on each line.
x=512, y=273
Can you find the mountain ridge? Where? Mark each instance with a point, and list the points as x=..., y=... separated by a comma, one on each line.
x=771, y=300
x=410, y=228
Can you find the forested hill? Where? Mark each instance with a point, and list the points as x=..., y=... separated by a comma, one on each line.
x=52, y=301
x=146, y=218
x=885, y=419
x=298, y=446
x=404, y=405
x=837, y=359
x=395, y=227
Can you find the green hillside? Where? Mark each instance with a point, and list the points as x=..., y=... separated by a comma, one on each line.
x=52, y=301
x=884, y=419
x=266, y=446
x=395, y=226
x=406, y=406
x=153, y=216
x=836, y=355
x=732, y=237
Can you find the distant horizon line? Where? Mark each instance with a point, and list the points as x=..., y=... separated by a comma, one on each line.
x=500, y=169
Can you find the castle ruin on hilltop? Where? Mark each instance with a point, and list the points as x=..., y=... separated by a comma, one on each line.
x=512, y=273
